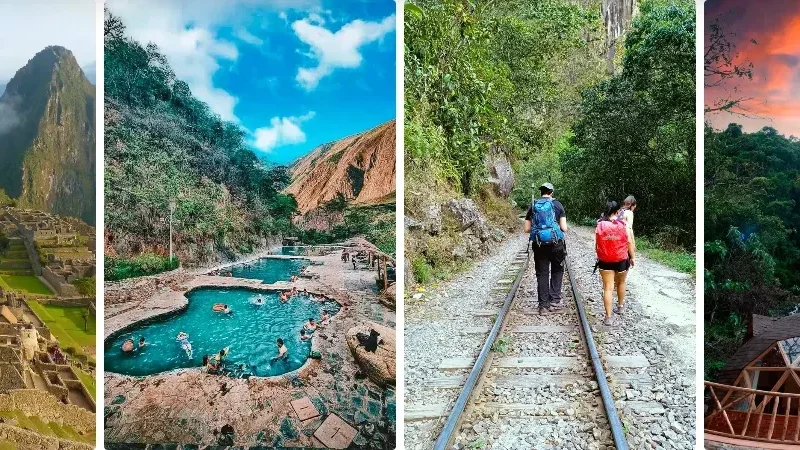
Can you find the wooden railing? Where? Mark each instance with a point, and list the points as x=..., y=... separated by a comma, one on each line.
x=751, y=414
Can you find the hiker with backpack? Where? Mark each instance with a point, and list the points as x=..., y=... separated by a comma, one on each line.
x=627, y=209
x=546, y=222
x=615, y=249
x=626, y=214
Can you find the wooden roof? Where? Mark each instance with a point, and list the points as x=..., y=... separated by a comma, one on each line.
x=766, y=331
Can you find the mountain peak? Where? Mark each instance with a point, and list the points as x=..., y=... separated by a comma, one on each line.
x=47, y=125
x=40, y=69
x=52, y=55
x=359, y=168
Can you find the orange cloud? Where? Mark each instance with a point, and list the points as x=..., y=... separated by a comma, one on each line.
x=775, y=88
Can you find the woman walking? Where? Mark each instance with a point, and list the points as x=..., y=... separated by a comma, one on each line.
x=615, y=249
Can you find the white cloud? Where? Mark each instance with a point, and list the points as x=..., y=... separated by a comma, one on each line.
x=248, y=37
x=336, y=50
x=186, y=32
x=191, y=46
x=316, y=19
x=281, y=131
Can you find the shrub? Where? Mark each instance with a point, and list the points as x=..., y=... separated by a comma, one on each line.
x=422, y=271
x=140, y=265
x=86, y=286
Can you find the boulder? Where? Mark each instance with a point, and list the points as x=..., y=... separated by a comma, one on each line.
x=380, y=365
x=433, y=219
x=411, y=224
x=469, y=217
x=501, y=174
x=465, y=211
x=389, y=297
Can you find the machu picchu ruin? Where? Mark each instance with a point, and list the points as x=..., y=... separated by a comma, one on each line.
x=47, y=327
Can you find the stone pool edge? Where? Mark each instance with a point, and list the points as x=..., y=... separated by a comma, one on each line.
x=181, y=302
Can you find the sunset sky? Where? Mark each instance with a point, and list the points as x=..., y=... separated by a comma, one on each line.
x=775, y=88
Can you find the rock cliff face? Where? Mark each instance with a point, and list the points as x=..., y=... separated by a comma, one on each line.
x=47, y=136
x=359, y=168
x=617, y=17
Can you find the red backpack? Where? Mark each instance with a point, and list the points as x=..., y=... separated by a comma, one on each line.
x=612, y=241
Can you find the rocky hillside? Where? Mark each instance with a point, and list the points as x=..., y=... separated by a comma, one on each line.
x=47, y=136
x=360, y=169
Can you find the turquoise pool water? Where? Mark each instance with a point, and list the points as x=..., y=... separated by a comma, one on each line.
x=290, y=250
x=250, y=331
x=269, y=270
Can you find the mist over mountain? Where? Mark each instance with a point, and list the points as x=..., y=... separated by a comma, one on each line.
x=90, y=70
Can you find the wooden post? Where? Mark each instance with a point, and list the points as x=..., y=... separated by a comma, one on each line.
x=385, y=274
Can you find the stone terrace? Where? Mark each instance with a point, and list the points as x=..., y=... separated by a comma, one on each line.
x=60, y=249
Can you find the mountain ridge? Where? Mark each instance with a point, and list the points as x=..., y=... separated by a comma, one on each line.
x=355, y=168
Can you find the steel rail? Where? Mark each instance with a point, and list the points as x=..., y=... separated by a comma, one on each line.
x=617, y=431
x=448, y=431
x=450, y=425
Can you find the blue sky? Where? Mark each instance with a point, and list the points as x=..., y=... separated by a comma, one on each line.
x=295, y=74
x=32, y=25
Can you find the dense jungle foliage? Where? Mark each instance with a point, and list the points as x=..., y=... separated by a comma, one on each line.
x=528, y=80
x=162, y=144
x=376, y=223
x=752, y=248
x=636, y=132
x=497, y=77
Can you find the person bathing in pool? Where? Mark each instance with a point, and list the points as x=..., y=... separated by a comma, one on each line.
x=183, y=339
x=219, y=356
x=210, y=365
x=311, y=325
x=127, y=346
x=325, y=319
x=283, y=352
x=303, y=336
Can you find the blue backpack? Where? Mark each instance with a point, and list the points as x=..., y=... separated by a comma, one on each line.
x=544, y=226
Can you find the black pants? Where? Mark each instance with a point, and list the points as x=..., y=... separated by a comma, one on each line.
x=549, y=262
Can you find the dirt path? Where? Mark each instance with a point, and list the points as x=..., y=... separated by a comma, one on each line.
x=659, y=325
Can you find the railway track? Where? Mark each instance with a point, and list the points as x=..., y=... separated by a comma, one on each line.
x=537, y=382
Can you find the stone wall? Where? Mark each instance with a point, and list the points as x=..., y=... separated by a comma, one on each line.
x=58, y=283
x=77, y=385
x=10, y=377
x=34, y=402
x=44, y=332
x=33, y=256
x=86, y=302
x=28, y=440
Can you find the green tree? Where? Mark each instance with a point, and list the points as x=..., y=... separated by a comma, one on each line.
x=752, y=249
x=162, y=145
x=636, y=134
